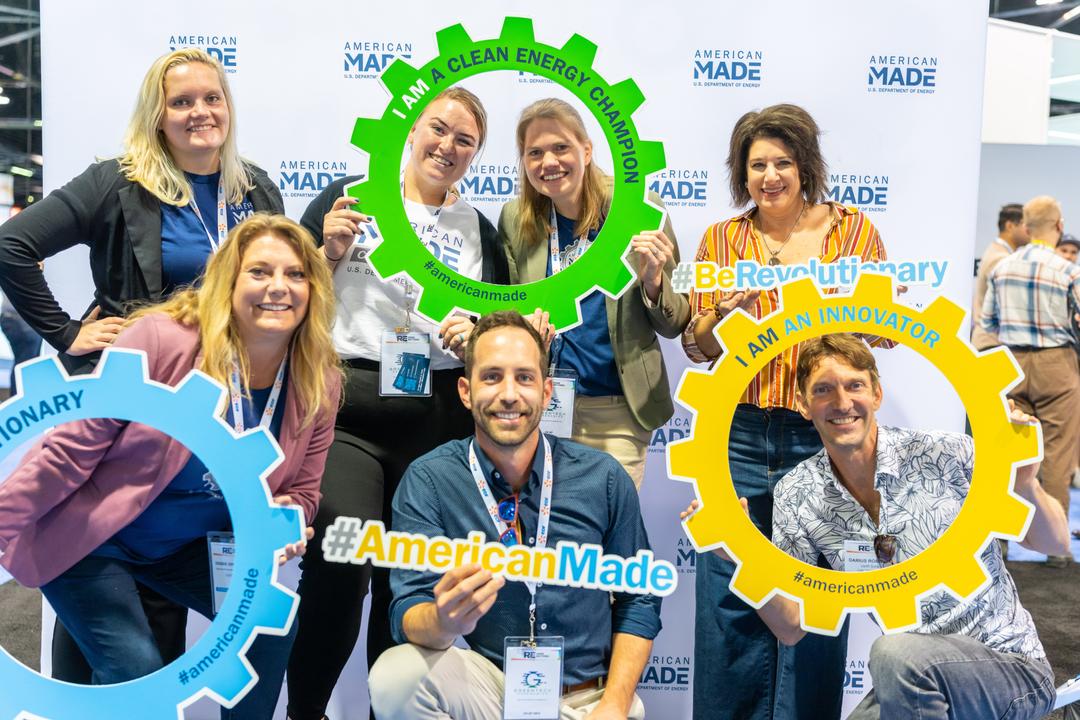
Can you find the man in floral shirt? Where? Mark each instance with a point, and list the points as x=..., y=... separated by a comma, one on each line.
x=898, y=490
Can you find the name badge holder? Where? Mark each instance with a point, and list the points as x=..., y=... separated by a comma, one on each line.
x=222, y=560
x=533, y=671
x=859, y=556
x=558, y=417
x=404, y=364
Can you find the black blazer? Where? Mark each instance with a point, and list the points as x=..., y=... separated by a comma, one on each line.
x=120, y=222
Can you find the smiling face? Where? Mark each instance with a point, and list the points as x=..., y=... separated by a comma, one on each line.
x=841, y=401
x=444, y=141
x=196, y=117
x=506, y=390
x=772, y=177
x=1067, y=251
x=555, y=161
x=270, y=297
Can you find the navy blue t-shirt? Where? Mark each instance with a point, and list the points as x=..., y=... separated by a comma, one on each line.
x=587, y=348
x=191, y=505
x=185, y=248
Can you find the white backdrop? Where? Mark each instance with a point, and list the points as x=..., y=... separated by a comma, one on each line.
x=301, y=73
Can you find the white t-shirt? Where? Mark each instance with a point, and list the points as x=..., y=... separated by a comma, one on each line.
x=366, y=306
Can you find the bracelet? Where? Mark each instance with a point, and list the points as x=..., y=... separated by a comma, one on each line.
x=337, y=259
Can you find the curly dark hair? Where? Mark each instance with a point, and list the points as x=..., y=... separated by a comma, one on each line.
x=795, y=128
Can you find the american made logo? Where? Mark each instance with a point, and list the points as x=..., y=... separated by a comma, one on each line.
x=867, y=191
x=682, y=187
x=368, y=59
x=734, y=67
x=669, y=673
x=856, y=677
x=685, y=556
x=494, y=181
x=307, y=178
x=902, y=74
x=222, y=48
x=677, y=428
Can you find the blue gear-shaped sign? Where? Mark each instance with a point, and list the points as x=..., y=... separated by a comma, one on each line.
x=215, y=666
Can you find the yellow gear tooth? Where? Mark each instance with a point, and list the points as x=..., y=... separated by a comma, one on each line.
x=798, y=294
x=702, y=529
x=980, y=381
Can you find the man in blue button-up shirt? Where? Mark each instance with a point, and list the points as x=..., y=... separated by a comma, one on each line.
x=593, y=501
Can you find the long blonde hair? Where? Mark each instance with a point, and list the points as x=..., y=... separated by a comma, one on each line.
x=146, y=159
x=209, y=307
x=534, y=209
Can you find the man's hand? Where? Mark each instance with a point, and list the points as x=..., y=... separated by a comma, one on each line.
x=1025, y=474
x=96, y=334
x=296, y=549
x=463, y=596
x=605, y=710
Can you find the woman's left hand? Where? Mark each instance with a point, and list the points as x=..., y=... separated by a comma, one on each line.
x=653, y=250
x=296, y=549
x=454, y=332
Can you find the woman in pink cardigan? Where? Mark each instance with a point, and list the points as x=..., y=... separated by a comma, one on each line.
x=260, y=325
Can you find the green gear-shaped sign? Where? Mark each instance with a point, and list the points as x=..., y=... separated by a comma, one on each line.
x=401, y=251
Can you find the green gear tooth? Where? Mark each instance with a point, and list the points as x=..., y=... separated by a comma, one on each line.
x=517, y=31
x=581, y=49
x=628, y=94
x=401, y=251
x=451, y=39
x=651, y=156
x=399, y=77
x=367, y=135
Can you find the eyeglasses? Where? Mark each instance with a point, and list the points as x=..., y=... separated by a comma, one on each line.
x=508, y=513
x=885, y=548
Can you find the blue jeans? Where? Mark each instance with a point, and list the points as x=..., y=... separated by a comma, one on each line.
x=97, y=602
x=25, y=343
x=741, y=672
x=934, y=677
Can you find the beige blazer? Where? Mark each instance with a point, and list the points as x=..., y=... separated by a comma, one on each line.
x=632, y=323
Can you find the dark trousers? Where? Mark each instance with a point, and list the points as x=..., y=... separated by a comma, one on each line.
x=376, y=439
x=741, y=672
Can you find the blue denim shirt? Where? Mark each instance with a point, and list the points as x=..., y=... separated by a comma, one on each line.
x=593, y=501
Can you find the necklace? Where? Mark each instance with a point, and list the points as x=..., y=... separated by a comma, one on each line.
x=774, y=259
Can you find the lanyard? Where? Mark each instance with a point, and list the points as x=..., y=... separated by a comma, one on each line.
x=501, y=527
x=433, y=228
x=237, y=398
x=556, y=265
x=222, y=223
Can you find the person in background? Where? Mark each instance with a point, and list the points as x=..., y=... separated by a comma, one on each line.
x=1012, y=234
x=1068, y=247
x=1031, y=301
x=775, y=162
x=100, y=504
x=622, y=391
x=25, y=343
x=151, y=218
x=378, y=435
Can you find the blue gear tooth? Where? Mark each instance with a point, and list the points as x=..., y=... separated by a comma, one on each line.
x=257, y=450
x=116, y=362
x=651, y=158
x=201, y=392
x=43, y=371
x=234, y=677
x=627, y=94
x=517, y=30
x=581, y=49
x=399, y=77
x=452, y=39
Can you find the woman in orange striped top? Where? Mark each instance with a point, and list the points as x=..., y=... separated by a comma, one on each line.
x=775, y=161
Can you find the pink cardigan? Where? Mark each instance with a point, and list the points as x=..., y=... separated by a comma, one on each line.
x=86, y=480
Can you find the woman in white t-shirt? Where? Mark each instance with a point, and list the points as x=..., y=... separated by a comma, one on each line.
x=378, y=435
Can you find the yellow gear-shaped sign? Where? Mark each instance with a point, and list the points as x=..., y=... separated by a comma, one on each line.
x=892, y=593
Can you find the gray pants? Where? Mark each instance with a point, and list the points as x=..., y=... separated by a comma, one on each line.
x=953, y=676
x=413, y=683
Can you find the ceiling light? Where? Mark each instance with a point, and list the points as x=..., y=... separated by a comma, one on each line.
x=1070, y=15
x=1047, y=2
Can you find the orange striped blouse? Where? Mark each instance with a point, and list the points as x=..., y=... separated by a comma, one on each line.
x=727, y=242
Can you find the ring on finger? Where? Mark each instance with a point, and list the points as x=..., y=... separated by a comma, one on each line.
x=461, y=338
